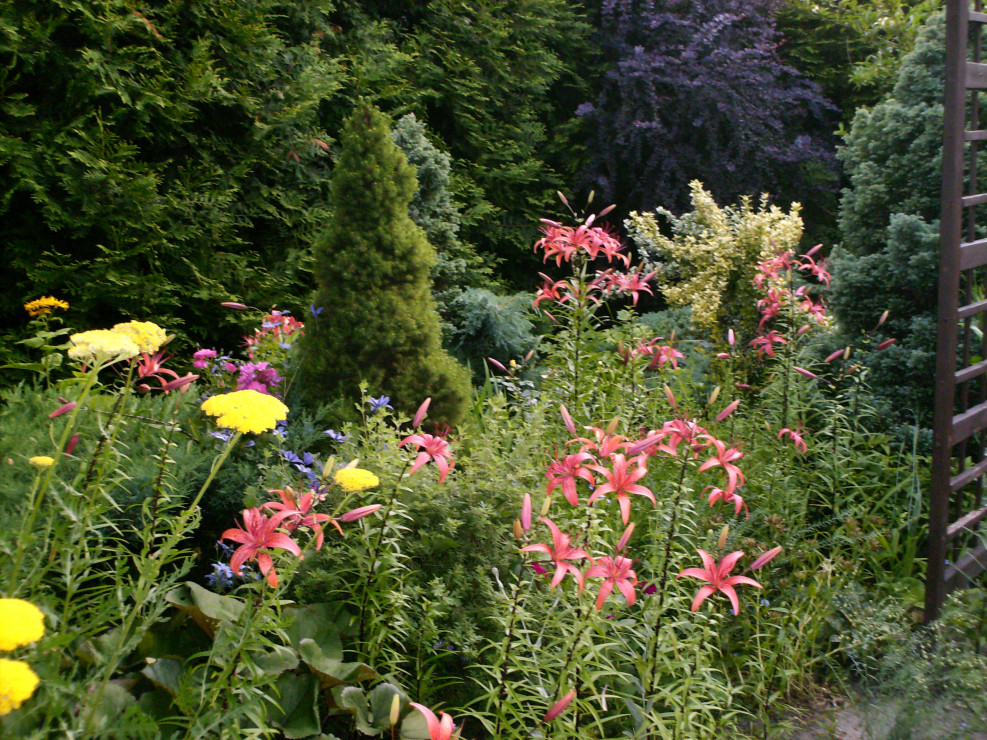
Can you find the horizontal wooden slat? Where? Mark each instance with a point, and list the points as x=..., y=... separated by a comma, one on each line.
x=977, y=17
x=971, y=309
x=973, y=254
x=979, y=135
x=969, y=373
x=976, y=76
x=974, y=200
x=969, y=422
x=964, y=570
x=966, y=523
x=967, y=476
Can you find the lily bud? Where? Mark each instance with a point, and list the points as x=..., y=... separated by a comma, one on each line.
x=518, y=532
x=671, y=397
x=559, y=706
x=395, y=709
x=625, y=537
x=731, y=407
x=612, y=426
x=884, y=317
x=731, y=338
x=233, y=304
x=359, y=513
x=833, y=356
x=526, y=513
x=713, y=396
x=496, y=364
x=570, y=425
x=607, y=210
x=722, y=542
x=806, y=373
x=723, y=356
x=62, y=410
x=420, y=414
x=766, y=558
x=73, y=441
x=562, y=197
x=886, y=343
x=546, y=506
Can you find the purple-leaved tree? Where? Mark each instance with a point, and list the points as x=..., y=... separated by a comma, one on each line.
x=694, y=89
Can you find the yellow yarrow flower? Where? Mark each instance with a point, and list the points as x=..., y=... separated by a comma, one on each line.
x=17, y=683
x=41, y=461
x=246, y=411
x=44, y=306
x=147, y=335
x=21, y=623
x=355, y=479
x=102, y=344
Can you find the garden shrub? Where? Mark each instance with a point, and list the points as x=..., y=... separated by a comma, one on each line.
x=379, y=323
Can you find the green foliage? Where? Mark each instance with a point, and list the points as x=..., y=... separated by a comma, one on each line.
x=372, y=271
x=888, y=217
x=712, y=256
x=489, y=325
x=158, y=161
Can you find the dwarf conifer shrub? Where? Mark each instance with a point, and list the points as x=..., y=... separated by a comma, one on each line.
x=379, y=322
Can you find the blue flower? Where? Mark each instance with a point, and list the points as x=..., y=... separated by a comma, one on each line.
x=224, y=548
x=765, y=602
x=376, y=404
x=335, y=436
x=316, y=311
x=281, y=430
x=223, y=434
x=221, y=577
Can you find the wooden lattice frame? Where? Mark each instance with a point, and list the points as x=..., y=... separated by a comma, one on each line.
x=959, y=464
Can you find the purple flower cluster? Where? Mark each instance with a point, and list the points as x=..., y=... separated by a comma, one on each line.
x=257, y=376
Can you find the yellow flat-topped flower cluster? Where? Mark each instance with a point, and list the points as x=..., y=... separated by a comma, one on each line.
x=44, y=306
x=41, y=461
x=246, y=411
x=121, y=342
x=146, y=335
x=21, y=623
x=355, y=479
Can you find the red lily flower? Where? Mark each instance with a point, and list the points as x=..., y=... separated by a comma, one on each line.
x=430, y=447
x=683, y=430
x=259, y=534
x=603, y=443
x=299, y=514
x=623, y=482
x=438, y=729
x=725, y=458
x=617, y=572
x=719, y=578
x=560, y=552
x=633, y=283
x=765, y=343
x=564, y=473
x=727, y=497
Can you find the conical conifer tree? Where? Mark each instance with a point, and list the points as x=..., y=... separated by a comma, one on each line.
x=379, y=321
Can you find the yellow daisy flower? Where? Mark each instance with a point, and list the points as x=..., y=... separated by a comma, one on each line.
x=246, y=411
x=102, y=344
x=147, y=335
x=17, y=683
x=41, y=461
x=21, y=623
x=355, y=479
x=44, y=306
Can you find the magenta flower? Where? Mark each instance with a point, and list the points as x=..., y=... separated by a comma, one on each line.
x=560, y=552
x=719, y=579
x=430, y=447
x=618, y=573
x=623, y=482
x=259, y=535
x=257, y=376
x=202, y=357
x=564, y=473
x=765, y=343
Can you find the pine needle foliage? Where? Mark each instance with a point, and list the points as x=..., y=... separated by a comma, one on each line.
x=372, y=275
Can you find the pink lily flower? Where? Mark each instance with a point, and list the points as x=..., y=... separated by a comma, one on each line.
x=727, y=497
x=560, y=552
x=633, y=283
x=765, y=343
x=796, y=436
x=438, y=729
x=719, y=579
x=603, y=443
x=258, y=535
x=623, y=482
x=682, y=430
x=618, y=572
x=299, y=513
x=725, y=459
x=430, y=447
x=564, y=473
x=559, y=706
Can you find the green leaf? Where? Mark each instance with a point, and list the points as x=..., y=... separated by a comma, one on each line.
x=165, y=673
x=414, y=727
x=299, y=707
x=331, y=671
x=204, y=606
x=278, y=659
x=316, y=622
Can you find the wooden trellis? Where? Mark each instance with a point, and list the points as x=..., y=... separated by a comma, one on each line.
x=956, y=553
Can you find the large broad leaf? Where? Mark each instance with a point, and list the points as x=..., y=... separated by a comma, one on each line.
x=371, y=712
x=414, y=727
x=299, y=705
x=316, y=622
x=332, y=671
x=165, y=673
x=204, y=606
x=278, y=659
